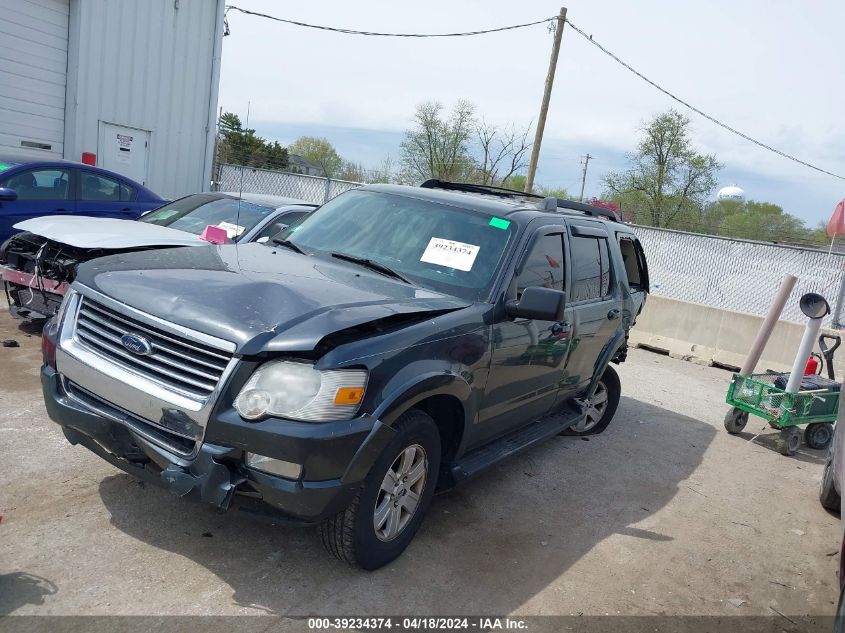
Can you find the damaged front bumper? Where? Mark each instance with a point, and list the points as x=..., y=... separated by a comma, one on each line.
x=335, y=456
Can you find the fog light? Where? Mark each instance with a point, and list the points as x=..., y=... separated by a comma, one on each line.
x=279, y=467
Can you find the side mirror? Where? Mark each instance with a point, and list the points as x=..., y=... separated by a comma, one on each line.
x=8, y=195
x=278, y=227
x=545, y=304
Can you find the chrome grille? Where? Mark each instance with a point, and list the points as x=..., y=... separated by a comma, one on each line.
x=175, y=362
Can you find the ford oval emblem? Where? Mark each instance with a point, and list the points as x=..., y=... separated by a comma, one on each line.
x=137, y=344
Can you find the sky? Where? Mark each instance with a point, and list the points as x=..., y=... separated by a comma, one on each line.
x=772, y=69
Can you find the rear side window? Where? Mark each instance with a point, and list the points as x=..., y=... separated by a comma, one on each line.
x=633, y=264
x=40, y=184
x=544, y=265
x=590, y=268
x=127, y=193
x=98, y=188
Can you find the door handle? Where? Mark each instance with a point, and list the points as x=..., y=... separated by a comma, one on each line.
x=60, y=210
x=613, y=314
x=561, y=328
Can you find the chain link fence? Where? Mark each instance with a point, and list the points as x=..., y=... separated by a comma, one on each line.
x=279, y=183
x=740, y=275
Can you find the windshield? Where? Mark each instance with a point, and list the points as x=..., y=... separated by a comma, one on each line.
x=444, y=248
x=193, y=213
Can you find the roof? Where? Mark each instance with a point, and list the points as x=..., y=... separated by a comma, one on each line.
x=20, y=159
x=298, y=162
x=491, y=205
x=503, y=202
x=267, y=200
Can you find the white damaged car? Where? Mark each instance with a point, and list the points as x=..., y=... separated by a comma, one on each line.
x=38, y=264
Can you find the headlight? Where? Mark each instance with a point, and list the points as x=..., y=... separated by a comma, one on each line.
x=60, y=313
x=300, y=392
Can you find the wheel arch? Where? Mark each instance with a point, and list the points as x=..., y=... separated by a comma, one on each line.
x=445, y=397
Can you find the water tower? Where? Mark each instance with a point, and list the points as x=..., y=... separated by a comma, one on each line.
x=731, y=193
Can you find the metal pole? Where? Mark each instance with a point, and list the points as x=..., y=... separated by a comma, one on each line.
x=584, y=176
x=544, y=106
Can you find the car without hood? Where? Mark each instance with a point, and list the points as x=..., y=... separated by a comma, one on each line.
x=38, y=264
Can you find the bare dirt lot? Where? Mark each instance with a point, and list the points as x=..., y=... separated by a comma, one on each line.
x=665, y=513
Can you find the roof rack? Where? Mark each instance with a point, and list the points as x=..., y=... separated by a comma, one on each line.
x=502, y=192
x=554, y=205
x=561, y=205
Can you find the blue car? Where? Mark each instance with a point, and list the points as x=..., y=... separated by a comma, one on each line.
x=34, y=188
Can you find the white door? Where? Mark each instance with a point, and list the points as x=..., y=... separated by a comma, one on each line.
x=124, y=150
x=33, y=71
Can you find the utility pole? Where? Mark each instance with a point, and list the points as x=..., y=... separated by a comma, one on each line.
x=544, y=106
x=584, y=176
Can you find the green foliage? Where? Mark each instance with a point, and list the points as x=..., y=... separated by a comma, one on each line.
x=755, y=221
x=437, y=146
x=667, y=179
x=240, y=146
x=460, y=147
x=356, y=172
x=318, y=151
x=517, y=182
x=553, y=192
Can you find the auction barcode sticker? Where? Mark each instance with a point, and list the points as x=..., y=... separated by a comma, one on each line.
x=450, y=253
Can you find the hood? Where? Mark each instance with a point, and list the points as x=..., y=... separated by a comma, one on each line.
x=258, y=297
x=106, y=233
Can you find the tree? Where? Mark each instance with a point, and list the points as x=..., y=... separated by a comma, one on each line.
x=318, y=151
x=436, y=146
x=668, y=178
x=503, y=152
x=240, y=146
x=356, y=172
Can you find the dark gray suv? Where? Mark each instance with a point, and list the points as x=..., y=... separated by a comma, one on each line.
x=398, y=341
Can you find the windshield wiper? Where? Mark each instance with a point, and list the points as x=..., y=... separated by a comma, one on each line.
x=381, y=268
x=289, y=244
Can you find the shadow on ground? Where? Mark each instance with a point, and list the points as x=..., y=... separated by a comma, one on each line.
x=768, y=440
x=493, y=543
x=19, y=589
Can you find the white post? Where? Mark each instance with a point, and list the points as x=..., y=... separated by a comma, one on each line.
x=768, y=325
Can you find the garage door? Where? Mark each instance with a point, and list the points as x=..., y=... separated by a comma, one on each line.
x=33, y=70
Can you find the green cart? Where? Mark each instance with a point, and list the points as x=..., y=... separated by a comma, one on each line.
x=815, y=404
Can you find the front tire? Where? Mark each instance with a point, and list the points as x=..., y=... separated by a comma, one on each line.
x=828, y=496
x=735, y=421
x=387, y=511
x=602, y=406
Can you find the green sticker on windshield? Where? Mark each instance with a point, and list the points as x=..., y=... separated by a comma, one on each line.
x=499, y=223
x=4, y=166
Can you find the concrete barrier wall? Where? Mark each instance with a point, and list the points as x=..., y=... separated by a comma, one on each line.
x=713, y=336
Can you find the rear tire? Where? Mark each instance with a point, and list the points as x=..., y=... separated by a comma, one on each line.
x=735, y=420
x=828, y=496
x=818, y=435
x=387, y=511
x=789, y=441
x=610, y=389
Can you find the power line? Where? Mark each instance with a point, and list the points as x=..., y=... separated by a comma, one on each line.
x=727, y=127
x=231, y=7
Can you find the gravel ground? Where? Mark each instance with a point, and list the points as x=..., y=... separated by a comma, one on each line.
x=664, y=513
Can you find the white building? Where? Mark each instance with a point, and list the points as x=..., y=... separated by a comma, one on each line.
x=133, y=82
